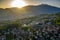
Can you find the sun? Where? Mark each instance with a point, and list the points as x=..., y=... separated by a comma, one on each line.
x=18, y=3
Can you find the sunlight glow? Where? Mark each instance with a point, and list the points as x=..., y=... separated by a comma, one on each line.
x=18, y=3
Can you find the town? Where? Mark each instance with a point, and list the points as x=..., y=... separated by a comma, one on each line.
x=41, y=28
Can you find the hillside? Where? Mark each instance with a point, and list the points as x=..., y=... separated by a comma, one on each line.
x=28, y=11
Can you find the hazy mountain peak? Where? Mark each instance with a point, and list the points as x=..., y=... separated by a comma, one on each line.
x=14, y=13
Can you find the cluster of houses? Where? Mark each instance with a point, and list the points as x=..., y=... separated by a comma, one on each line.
x=39, y=30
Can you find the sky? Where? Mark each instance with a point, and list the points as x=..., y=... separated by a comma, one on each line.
x=6, y=3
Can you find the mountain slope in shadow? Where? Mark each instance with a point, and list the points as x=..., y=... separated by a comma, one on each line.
x=42, y=9
x=15, y=13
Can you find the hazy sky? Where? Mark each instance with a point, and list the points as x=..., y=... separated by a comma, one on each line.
x=6, y=3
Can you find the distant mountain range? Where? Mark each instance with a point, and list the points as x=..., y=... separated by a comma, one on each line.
x=15, y=13
x=42, y=9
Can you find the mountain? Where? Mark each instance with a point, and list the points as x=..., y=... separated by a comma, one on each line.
x=16, y=13
x=42, y=9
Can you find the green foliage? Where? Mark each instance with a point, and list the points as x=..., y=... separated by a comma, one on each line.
x=27, y=28
x=10, y=25
x=46, y=21
x=57, y=21
x=9, y=36
x=58, y=14
x=3, y=26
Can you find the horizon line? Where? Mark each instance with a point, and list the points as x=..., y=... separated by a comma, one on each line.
x=28, y=5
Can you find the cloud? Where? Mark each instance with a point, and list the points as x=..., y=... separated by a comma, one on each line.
x=41, y=1
x=50, y=2
x=2, y=1
x=32, y=1
x=6, y=3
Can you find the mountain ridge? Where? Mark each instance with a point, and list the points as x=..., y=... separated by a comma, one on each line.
x=28, y=11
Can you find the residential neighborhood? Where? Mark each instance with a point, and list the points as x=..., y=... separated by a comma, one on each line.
x=36, y=30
